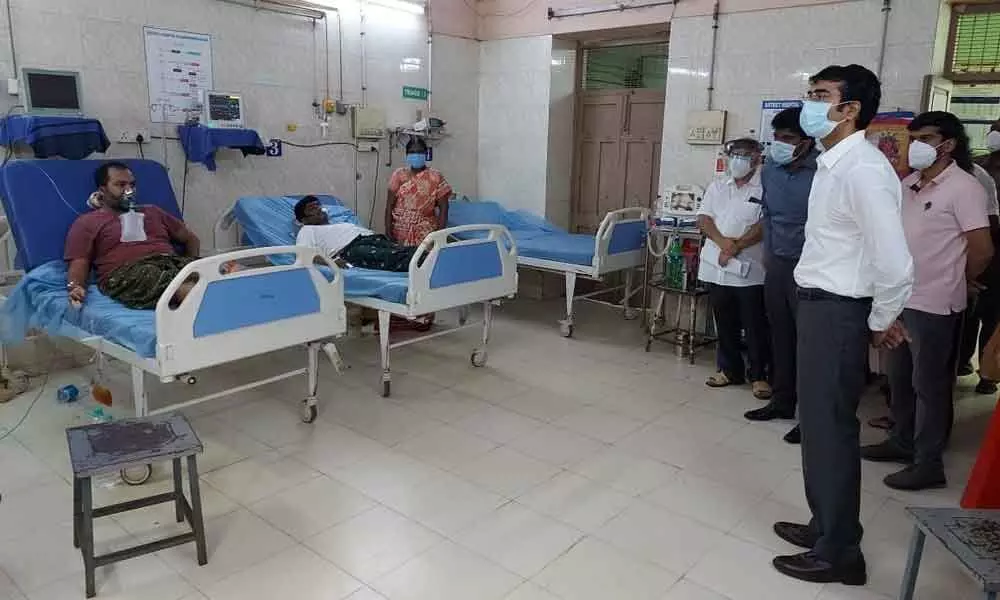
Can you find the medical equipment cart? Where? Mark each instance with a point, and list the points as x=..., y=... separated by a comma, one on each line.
x=687, y=339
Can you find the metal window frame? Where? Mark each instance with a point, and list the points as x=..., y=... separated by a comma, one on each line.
x=958, y=10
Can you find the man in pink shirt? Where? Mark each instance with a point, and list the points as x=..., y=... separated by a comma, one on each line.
x=945, y=220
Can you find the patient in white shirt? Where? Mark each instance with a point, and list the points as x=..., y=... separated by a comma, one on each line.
x=349, y=244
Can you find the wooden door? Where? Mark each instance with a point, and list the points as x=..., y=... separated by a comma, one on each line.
x=618, y=153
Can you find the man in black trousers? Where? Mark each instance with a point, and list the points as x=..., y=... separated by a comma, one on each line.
x=854, y=277
x=786, y=177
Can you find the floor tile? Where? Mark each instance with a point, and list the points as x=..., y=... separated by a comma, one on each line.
x=445, y=446
x=447, y=503
x=506, y=471
x=687, y=590
x=336, y=449
x=381, y=419
x=704, y=425
x=530, y=591
x=146, y=577
x=594, y=570
x=626, y=472
x=386, y=476
x=311, y=507
x=236, y=541
x=715, y=504
x=540, y=404
x=21, y=469
x=270, y=422
x=743, y=571
x=599, y=424
x=447, y=405
x=366, y=593
x=666, y=539
x=22, y=512
x=740, y=470
x=559, y=447
x=373, y=543
x=518, y=539
x=159, y=521
x=303, y=576
x=256, y=478
x=499, y=424
x=448, y=572
x=488, y=386
x=224, y=444
x=757, y=525
x=577, y=501
x=670, y=446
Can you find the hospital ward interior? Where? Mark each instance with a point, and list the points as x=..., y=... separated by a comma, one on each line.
x=499, y=299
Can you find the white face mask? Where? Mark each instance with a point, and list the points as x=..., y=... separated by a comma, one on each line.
x=739, y=166
x=922, y=155
x=993, y=141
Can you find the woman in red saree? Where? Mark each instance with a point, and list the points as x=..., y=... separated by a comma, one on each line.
x=417, y=203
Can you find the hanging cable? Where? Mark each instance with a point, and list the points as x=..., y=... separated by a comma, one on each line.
x=512, y=13
x=10, y=35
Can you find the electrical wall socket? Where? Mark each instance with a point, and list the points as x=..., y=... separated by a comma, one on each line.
x=131, y=136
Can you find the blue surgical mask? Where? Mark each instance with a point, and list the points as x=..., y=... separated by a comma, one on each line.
x=416, y=160
x=782, y=153
x=815, y=119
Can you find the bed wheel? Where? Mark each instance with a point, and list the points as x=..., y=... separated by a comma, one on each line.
x=309, y=412
x=190, y=380
x=566, y=329
x=478, y=358
x=136, y=475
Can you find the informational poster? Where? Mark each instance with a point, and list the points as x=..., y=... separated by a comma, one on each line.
x=768, y=109
x=889, y=134
x=178, y=67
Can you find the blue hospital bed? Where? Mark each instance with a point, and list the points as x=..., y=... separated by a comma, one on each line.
x=226, y=317
x=618, y=245
x=446, y=272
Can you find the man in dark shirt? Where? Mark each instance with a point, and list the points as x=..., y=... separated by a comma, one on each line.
x=133, y=267
x=787, y=178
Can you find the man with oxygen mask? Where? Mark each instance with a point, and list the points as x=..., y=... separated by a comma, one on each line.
x=854, y=276
x=947, y=232
x=130, y=246
x=732, y=266
x=786, y=178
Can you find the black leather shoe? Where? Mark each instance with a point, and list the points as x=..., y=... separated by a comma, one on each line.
x=810, y=567
x=917, y=477
x=796, y=534
x=886, y=451
x=965, y=369
x=769, y=412
x=987, y=387
x=794, y=436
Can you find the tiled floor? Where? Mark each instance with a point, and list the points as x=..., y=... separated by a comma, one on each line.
x=564, y=470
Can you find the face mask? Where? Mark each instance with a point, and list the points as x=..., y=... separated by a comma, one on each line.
x=815, y=119
x=782, y=153
x=922, y=155
x=739, y=167
x=993, y=141
x=416, y=160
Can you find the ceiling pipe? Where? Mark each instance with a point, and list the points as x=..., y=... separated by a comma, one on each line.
x=886, y=9
x=562, y=13
x=303, y=9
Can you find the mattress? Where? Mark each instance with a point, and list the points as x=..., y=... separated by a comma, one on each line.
x=270, y=221
x=535, y=237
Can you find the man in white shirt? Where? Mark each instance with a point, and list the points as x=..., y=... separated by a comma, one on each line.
x=854, y=277
x=347, y=243
x=732, y=264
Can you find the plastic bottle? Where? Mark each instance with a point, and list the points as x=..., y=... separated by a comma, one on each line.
x=675, y=262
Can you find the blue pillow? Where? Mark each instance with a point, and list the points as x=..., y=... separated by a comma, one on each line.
x=461, y=212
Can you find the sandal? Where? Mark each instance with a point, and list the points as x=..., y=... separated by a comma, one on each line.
x=719, y=380
x=761, y=390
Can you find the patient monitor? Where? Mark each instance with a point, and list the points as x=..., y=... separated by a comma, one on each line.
x=223, y=110
x=51, y=92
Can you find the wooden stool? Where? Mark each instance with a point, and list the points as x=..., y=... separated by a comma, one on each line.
x=111, y=447
x=972, y=536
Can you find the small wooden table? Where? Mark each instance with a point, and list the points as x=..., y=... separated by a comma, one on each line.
x=110, y=447
x=972, y=536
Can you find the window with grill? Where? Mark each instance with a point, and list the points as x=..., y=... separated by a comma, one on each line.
x=973, y=53
x=636, y=66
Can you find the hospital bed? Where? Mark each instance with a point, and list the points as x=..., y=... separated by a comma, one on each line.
x=226, y=316
x=445, y=272
x=618, y=245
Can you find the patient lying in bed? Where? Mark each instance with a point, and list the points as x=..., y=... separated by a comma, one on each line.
x=348, y=243
x=131, y=248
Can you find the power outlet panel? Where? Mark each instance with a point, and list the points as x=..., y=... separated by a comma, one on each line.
x=131, y=136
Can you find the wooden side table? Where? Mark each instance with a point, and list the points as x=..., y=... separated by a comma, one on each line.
x=110, y=447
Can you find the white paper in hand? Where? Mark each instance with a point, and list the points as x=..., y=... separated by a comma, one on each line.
x=133, y=226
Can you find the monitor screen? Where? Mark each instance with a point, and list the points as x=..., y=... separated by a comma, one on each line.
x=53, y=91
x=224, y=107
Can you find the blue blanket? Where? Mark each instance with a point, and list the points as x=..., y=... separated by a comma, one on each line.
x=40, y=301
x=270, y=221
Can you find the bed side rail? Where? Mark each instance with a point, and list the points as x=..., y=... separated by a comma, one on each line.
x=620, y=239
x=231, y=315
x=447, y=272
